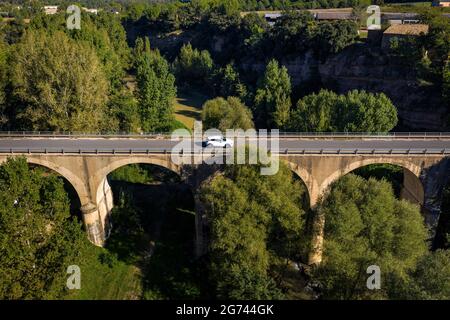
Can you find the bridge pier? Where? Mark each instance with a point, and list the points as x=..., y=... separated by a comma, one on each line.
x=93, y=224
x=96, y=217
x=318, y=232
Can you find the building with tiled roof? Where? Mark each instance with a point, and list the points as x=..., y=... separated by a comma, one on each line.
x=402, y=31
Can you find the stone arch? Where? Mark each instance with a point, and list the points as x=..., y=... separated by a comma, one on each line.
x=103, y=192
x=71, y=177
x=311, y=184
x=115, y=164
x=411, y=170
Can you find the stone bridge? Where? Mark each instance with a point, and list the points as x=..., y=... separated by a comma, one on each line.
x=424, y=176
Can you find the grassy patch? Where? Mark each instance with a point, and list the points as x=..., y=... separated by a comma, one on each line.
x=188, y=107
x=105, y=278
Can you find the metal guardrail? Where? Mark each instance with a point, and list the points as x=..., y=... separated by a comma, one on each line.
x=305, y=151
x=167, y=135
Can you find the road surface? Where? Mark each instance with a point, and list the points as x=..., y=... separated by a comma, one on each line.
x=19, y=145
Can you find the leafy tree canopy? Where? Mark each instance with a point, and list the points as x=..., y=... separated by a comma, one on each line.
x=156, y=90
x=272, y=100
x=59, y=84
x=226, y=114
x=357, y=111
x=38, y=239
x=253, y=219
x=193, y=66
x=366, y=225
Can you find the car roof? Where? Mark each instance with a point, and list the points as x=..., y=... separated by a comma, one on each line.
x=215, y=137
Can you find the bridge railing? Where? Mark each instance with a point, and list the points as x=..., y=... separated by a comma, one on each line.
x=295, y=135
x=305, y=151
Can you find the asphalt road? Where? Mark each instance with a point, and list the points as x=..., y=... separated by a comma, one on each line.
x=126, y=144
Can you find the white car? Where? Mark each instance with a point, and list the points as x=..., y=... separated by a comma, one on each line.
x=218, y=142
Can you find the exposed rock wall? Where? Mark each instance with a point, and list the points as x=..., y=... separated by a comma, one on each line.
x=367, y=68
x=360, y=67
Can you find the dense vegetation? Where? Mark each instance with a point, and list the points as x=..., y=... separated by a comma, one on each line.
x=97, y=76
x=354, y=112
x=257, y=227
x=38, y=238
x=366, y=225
x=226, y=114
x=101, y=79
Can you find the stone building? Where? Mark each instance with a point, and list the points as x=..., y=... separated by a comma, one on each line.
x=402, y=31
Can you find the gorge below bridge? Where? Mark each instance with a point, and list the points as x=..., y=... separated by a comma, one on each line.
x=318, y=160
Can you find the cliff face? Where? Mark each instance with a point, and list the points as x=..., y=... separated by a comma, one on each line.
x=360, y=67
x=367, y=68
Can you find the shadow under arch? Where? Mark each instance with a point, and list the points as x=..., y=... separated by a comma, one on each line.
x=413, y=189
x=169, y=165
x=154, y=224
x=102, y=175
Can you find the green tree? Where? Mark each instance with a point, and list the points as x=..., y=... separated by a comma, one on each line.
x=135, y=10
x=446, y=82
x=254, y=28
x=3, y=81
x=38, y=239
x=430, y=280
x=141, y=47
x=59, y=84
x=156, y=92
x=248, y=284
x=253, y=218
x=226, y=114
x=98, y=39
x=357, y=111
x=193, y=66
x=366, y=225
x=315, y=113
x=229, y=83
x=272, y=100
x=332, y=37
x=103, y=32
x=437, y=40
x=124, y=112
x=292, y=32
x=222, y=19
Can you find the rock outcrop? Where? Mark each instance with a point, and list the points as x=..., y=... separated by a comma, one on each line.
x=362, y=67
